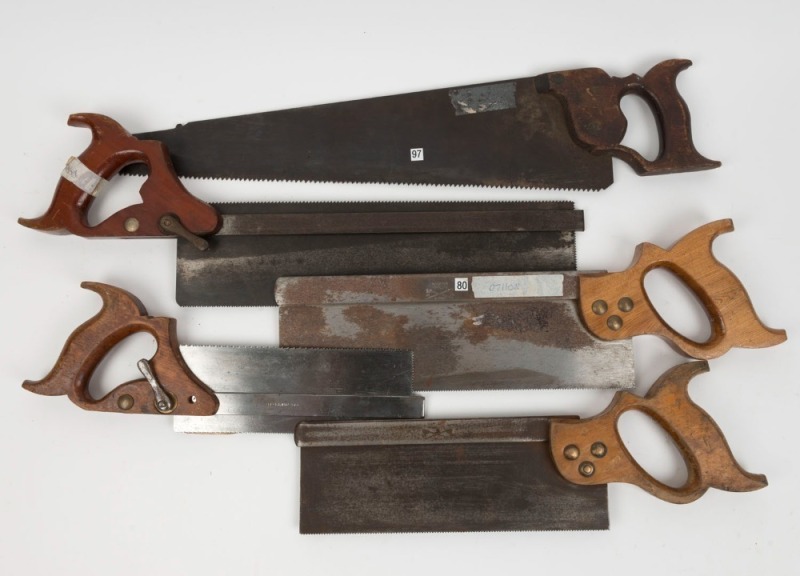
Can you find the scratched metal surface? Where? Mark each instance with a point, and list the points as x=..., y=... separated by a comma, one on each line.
x=422, y=476
x=460, y=341
x=502, y=134
x=241, y=269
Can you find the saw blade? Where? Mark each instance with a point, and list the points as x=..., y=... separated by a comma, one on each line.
x=272, y=389
x=260, y=242
x=439, y=476
x=467, y=331
x=496, y=134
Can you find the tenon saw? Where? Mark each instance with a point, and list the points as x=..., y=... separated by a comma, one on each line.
x=555, y=130
x=210, y=389
x=231, y=254
x=503, y=473
x=523, y=329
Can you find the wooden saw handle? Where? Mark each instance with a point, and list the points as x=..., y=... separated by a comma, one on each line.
x=591, y=451
x=122, y=315
x=592, y=101
x=616, y=306
x=112, y=148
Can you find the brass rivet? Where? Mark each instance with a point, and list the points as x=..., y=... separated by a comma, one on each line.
x=571, y=452
x=614, y=322
x=599, y=307
x=586, y=469
x=625, y=304
x=599, y=450
x=131, y=224
x=125, y=402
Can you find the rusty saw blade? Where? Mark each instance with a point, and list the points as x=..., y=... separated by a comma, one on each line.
x=484, y=474
x=556, y=130
x=523, y=329
x=211, y=389
x=260, y=242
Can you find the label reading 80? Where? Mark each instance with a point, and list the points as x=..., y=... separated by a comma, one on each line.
x=461, y=284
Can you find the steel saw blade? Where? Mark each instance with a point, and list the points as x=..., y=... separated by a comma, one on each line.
x=272, y=389
x=497, y=134
x=480, y=474
x=260, y=242
x=467, y=331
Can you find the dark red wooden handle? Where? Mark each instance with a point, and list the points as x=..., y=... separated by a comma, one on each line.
x=112, y=148
x=592, y=101
x=122, y=315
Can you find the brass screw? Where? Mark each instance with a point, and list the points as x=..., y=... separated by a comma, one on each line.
x=131, y=224
x=599, y=449
x=586, y=469
x=614, y=322
x=599, y=307
x=571, y=452
x=625, y=304
x=125, y=402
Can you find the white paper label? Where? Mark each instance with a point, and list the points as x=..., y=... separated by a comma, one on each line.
x=417, y=154
x=461, y=284
x=79, y=174
x=527, y=286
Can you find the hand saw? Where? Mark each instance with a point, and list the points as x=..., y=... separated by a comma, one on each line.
x=253, y=244
x=555, y=130
x=545, y=473
x=213, y=389
x=523, y=330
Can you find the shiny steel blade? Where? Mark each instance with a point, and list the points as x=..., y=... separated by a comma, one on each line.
x=260, y=242
x=439, y=476
x=499, y=134
x=272, y=389
x=467, y=331
x=240, y=413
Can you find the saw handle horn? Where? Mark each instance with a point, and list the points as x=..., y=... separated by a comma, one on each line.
x=163, y=196
x=591, y=451
x=592, y=100
x=168, y=387
x=616, y=306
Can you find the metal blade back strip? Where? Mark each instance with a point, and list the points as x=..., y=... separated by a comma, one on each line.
x=399, y=222
x=441, y=486
x=408, y=432
x=446, y=136
x=229, y=369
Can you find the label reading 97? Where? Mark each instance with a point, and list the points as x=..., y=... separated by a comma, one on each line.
x=461, y=284
x=417, y=154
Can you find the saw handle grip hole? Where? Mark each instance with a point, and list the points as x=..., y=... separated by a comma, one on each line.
x=678, y=306
x=120, y=193
x=642, y=133
x=652, y=448
x=119, y=364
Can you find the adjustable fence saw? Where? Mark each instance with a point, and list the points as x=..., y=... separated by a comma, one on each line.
x=218, y=389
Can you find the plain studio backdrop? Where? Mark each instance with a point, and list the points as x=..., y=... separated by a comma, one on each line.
x=96, y=494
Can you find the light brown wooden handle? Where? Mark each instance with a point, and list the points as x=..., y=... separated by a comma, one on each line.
x=591, y=451
x=122, y=315
x=616, y=306
x=112, y=148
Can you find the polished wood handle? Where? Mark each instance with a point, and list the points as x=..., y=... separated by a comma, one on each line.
x=123, y=314
x=112, y=148
x=592, y=99
x=616, y=306
x=591, y=451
